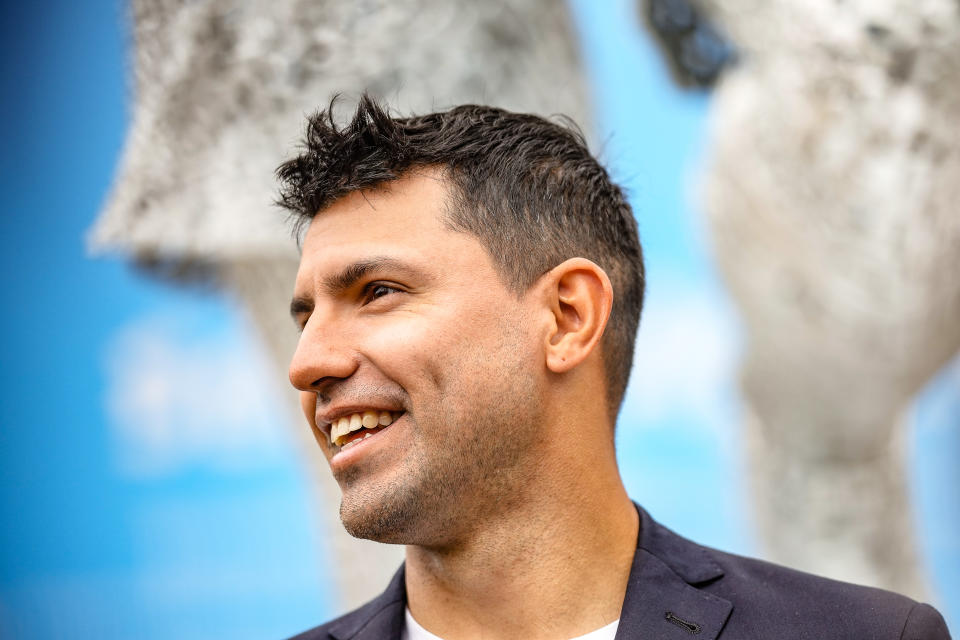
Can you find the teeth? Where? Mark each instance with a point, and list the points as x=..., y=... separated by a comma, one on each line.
x=353, y=442
x=356, y=421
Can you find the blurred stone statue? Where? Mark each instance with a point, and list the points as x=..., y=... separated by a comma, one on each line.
x=832, y=194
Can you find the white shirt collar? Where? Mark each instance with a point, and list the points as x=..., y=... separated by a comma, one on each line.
x=413, y=631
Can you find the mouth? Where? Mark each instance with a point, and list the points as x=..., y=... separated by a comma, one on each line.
x=349, y=430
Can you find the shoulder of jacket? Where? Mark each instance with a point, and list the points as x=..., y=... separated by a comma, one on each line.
x=762, y=590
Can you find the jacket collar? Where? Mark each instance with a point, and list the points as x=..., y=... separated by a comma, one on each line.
x=663, y=599
x=379, y=619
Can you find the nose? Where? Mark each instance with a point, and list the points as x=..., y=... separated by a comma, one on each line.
x=322, y=357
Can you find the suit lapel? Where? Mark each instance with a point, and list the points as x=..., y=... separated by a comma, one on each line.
x=662, y=600
x=379, y=619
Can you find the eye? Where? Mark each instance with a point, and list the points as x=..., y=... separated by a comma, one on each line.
x=376, y=290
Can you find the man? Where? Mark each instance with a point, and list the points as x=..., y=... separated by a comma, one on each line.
x=470, y=287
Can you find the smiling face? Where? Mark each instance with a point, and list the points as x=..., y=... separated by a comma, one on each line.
x=407, y=328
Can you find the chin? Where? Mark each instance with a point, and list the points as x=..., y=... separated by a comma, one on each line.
x=386, y=521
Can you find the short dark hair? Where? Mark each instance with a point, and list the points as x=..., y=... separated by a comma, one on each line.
x=526, y=187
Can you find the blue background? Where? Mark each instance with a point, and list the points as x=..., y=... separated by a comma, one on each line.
x=102, y=536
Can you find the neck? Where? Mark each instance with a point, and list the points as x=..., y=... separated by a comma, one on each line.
x=554, y=566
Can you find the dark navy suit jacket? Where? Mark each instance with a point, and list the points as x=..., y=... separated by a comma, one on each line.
x=679, y=590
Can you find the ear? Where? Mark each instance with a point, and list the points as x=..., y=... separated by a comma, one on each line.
x=580, y=297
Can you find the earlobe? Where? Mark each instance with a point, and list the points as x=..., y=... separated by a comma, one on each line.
x=580, y=297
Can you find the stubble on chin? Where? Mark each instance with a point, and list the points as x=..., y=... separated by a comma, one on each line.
x=382, y=512
x=442, y=495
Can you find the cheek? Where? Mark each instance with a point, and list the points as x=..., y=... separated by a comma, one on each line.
x=434, y=346
x=402, y=348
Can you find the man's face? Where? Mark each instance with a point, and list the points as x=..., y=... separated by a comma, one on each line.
x=408, y=321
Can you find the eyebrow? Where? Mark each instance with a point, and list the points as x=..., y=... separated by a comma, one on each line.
x=299, y=305
x=347, y=277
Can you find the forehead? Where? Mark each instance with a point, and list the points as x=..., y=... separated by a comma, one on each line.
x=416, y=199
x=404, y=219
